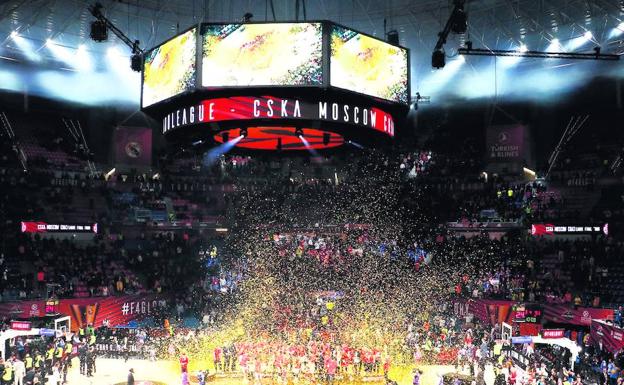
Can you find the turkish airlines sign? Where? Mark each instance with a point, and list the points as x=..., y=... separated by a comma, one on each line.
x=268, y=107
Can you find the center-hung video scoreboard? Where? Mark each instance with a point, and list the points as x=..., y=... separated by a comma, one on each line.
x=324, y=55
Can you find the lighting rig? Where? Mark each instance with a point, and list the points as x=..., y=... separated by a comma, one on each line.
x=99, y=33
x=457, y=23
x=468, y=50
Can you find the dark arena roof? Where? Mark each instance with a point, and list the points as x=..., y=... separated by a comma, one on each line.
x=311, y=192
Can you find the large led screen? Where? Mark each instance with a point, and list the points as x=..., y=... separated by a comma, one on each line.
x=369, y=66
x=169, y=69
x=277, y=54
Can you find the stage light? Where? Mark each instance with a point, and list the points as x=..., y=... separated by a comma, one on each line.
x=510, y=61
x=110, y=173
x=299, y=132
x=25, y=46
x=243, y=132
x=99, y=32
x=226, y=137
x=392, y=37
x=579, y=41
x=326, y=138
x=279, y=144
x=617, y=31
x=438, y=59
x=136, y=62
x=530, y=173
x=597, y=51
x=554, y=46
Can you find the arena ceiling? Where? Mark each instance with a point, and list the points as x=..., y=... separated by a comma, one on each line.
x=491, y=22
x=496, y=24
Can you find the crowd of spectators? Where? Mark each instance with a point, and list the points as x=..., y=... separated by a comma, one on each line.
x=116, y=263
x=132, y=256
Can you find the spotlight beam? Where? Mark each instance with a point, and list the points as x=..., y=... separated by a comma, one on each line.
x=211, y=156
x=538, y=54
x=308, y=147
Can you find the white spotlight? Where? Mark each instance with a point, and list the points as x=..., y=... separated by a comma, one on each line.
x=617, y=31
x=82, y=60
x=110, y=173
x=25, y=46
x=554, y=46
x=514, y=58
x=579, y=41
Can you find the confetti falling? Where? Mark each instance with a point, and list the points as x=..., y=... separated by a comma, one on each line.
x=330, y=266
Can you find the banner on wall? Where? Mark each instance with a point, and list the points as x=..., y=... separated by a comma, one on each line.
x=132, y=146
x=45, y=227
x=538, y=229
x=505, y=143
x=582, y=316
x=486, y=311
x=497, y=311
x=553, y=333
x=94, y=311
x=607, y=336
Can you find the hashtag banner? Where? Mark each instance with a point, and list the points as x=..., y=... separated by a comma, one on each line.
x=117, y=311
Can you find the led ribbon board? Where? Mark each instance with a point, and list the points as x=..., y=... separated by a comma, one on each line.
x=247, y=108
